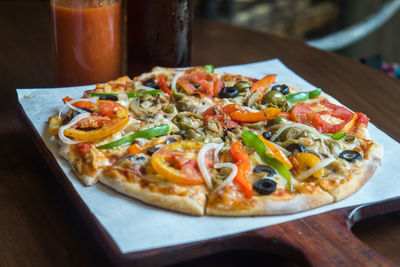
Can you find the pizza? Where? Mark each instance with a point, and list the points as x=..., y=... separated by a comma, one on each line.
x=206, y=143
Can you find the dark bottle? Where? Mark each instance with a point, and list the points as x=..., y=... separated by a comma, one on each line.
x=159, y=33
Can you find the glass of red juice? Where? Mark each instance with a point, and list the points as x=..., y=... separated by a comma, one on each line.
x=86, y=41
x=159, y=33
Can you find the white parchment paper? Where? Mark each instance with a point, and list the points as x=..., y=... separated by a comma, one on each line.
x=136, y=226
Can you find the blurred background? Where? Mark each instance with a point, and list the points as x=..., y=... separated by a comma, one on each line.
x=366, y=30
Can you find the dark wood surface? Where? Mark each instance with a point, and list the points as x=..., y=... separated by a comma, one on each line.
x=41, y=226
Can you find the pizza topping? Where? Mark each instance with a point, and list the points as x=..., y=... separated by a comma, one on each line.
x=265, y=186
x=137, y=148
x=200, y=83
x=264, y=169
x=274, y=98
x=267, y=135
x=77, y=104
x=162, y=83
x=252, y=140
x=314, y=169
x=208, y=68
x=242, y=85
x=296, y=148
x=301, y=127
x=150, y=83
x=95, y=127
x=147, y=133
x=240, y=115
x=303, y=96
x=177, y=162
x=242, y=161
x=276, y=120
x=231, y=176
x=350, y=155
x=336, y=136
x=129, y=95
x=307, y=161
x=229, y=92
x=108, y=97
x=61, y=130
x=170, y=140
x=151, y=150
x=201, y=161
x=305, y=114
x=263, y=84
x=283, y=88
x=272, y=150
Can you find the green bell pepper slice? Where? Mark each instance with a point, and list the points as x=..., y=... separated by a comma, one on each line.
x=336, y=136
x=303, y=96
x=130, y=95
x=148, y=133
x=252, y=140
x=208, y=68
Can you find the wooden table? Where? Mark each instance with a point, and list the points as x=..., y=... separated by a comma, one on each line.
x=39, y=225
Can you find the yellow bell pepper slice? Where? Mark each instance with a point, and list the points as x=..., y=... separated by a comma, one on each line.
x=177, y=162
x=307, y=161
x=109, y=127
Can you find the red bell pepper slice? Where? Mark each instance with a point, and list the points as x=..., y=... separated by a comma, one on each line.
x=242, y=162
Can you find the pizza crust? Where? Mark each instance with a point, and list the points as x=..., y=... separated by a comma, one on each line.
x=359, y=176
x=274, y=206
x=193, y=203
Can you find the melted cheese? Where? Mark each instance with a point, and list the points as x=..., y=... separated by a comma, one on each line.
x=331, y=120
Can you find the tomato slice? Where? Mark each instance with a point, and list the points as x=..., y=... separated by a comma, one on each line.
x=202, y=83
x=111, y=109
x=108, y=118
x=216, y=113
x=177, y=162
x=304, y=113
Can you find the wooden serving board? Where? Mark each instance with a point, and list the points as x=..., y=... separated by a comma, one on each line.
x=320, y=240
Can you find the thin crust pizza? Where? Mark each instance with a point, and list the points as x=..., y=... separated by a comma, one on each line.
x=201, y=142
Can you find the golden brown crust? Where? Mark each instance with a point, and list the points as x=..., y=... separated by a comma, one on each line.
x=190, y=200
x=275, y=206
x=357, y=175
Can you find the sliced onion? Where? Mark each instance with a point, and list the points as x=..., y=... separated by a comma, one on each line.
x=69, y=104
x=284, y=150
x=122, y=96
x=175, y=80
x=314, y=169
x=140, y=86
x=299, y=125
x=216, y=152
x=61, y=130
x=201, y=161
x=230, y=177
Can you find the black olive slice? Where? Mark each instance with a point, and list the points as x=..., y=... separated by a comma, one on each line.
x=283, y=88
x=264, y=169
x=170, y=140
x=150, y=83
x=151, y=150
x=109, y=97
x=229, y=92
x=87, y=109
x=265, y=186
x=296, y=148
x=135, y=157
x=350, y=155
x=267, y=135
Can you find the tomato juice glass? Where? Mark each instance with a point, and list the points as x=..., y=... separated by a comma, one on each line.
x=86, y=41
